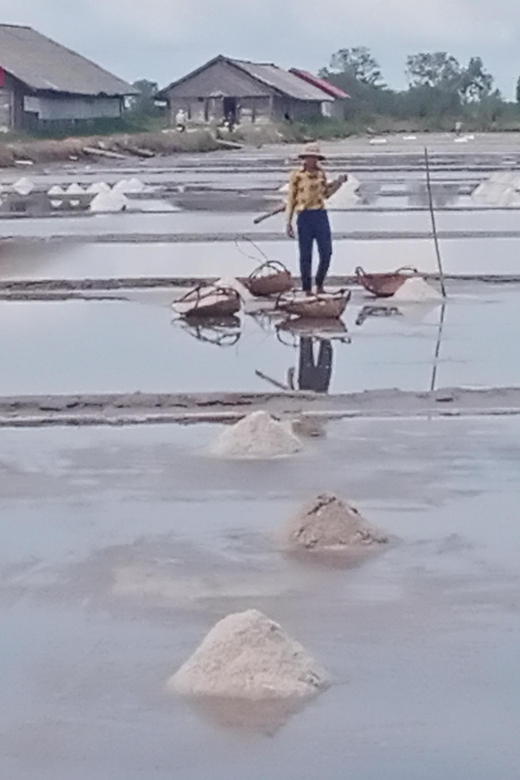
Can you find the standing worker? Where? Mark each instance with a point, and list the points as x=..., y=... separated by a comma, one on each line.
x=308, y=191
x=180, y=120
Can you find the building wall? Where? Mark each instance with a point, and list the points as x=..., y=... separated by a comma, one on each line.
x=201, y=110
x=64, y=108
x=296, y=110
x=10, y=102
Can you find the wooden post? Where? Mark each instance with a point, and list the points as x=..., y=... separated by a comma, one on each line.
x=434, y=225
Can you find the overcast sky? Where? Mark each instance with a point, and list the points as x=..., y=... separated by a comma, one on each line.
x=164, y=39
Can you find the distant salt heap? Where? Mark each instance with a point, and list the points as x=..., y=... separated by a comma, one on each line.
x=98, y=186
x=23, y=186
x=416, y=290
x=56, y=190
x=257, y=436
x=109, y=202
x=75, y=189
x=127, y=186
x=328, y=524
x=247, y=656
x=497, y=191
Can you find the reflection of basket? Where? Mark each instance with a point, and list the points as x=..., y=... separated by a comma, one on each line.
x=289, y=331
x=271, y=278
x=220, y=331
x=377, y=311
x=208, y=301
x=321, y=307
x=384, y=285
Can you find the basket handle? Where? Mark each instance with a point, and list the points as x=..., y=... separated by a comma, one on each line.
x=407, y=268
x=276, y=265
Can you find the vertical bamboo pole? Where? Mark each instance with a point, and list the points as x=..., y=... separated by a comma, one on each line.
x=434, y=224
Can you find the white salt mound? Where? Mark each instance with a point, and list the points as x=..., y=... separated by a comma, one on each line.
x=416, y=290
x=56, y=190
x=109, y=202
x=257, y=436
x=75, y=189
x=326, y=523
x=23, y=186
x=496, y=193
x=247, y=656
x=98, y=186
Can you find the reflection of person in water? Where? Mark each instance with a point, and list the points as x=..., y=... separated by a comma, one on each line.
x=311, y=375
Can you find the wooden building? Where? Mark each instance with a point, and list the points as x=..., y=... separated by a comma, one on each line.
x=242, y=91
x=44, y=84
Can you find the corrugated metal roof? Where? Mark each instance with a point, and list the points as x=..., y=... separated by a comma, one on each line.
x=332, y=90
x=283, y=81
x=43, y=64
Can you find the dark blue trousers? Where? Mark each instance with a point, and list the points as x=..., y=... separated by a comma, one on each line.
x=313, y=225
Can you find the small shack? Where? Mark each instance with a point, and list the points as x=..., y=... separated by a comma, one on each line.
x=246, y=92
x=45, y=85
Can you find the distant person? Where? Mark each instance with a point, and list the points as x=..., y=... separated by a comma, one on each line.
x=181, y=120
x=308, y=191
x=458, y=128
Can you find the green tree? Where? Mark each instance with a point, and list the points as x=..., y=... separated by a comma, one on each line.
x=144, y=103
x=433, y=69
x=357, y=63
x=474, y=82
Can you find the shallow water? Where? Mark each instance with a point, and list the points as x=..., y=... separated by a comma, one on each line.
x=111, y=346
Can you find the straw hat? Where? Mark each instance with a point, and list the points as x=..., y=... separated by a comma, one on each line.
x=311, y=150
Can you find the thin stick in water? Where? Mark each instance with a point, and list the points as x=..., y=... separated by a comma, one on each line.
x=434, y=224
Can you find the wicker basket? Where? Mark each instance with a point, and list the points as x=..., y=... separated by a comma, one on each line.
x=384, y=285
x=208, y=301
x=270, y=278
x=321, y=307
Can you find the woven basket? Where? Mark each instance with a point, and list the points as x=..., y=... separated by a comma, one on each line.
x=384, y=285
x=208, y=301
x=270, y=278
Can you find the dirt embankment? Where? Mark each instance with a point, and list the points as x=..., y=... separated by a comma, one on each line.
x=141, y=145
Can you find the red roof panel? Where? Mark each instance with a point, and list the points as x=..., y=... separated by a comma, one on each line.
x=330, y=89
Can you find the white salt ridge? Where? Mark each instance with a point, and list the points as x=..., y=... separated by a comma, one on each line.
x=109, y=202
x=128, y=186
x=247, y=656
x=508, y=178
x=56, y=190
x=75, y=189
x=494, y=193
x=416, y=290
x=326, y=523
x=257, y=436
x=98, y=186
x=23, y=186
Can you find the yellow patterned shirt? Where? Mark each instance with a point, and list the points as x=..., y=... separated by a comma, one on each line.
x=307, y=191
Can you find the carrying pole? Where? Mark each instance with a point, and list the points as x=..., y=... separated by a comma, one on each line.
x=434, y=224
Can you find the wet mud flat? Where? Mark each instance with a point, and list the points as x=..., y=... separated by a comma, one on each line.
x=122, y=547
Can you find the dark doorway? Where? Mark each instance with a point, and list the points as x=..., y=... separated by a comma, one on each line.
x=230, y=110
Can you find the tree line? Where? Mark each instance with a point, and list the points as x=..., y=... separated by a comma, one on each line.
x=438, y=86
